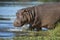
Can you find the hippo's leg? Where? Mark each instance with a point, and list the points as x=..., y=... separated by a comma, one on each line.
x=51, y=26
x=38, y=28
x=31, y=28
x=48, y=24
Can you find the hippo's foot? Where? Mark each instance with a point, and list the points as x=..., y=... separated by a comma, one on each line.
x=52, y=26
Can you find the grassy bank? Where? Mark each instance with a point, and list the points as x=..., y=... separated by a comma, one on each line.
x=42, y=35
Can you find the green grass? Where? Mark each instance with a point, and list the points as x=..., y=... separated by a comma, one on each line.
x=42, y=35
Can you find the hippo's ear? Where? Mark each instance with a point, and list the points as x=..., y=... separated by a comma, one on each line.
x=26, y=10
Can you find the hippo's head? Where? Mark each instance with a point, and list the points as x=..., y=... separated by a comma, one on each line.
x=22, y=17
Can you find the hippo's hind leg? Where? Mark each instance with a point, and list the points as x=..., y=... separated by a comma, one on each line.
x=51, y=26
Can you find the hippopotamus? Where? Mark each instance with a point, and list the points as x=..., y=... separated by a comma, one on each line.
x=44, y=15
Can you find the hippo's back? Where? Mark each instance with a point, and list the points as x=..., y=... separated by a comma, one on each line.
x=49, y=13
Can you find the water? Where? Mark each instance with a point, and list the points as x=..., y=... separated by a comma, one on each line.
x=8, y=10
